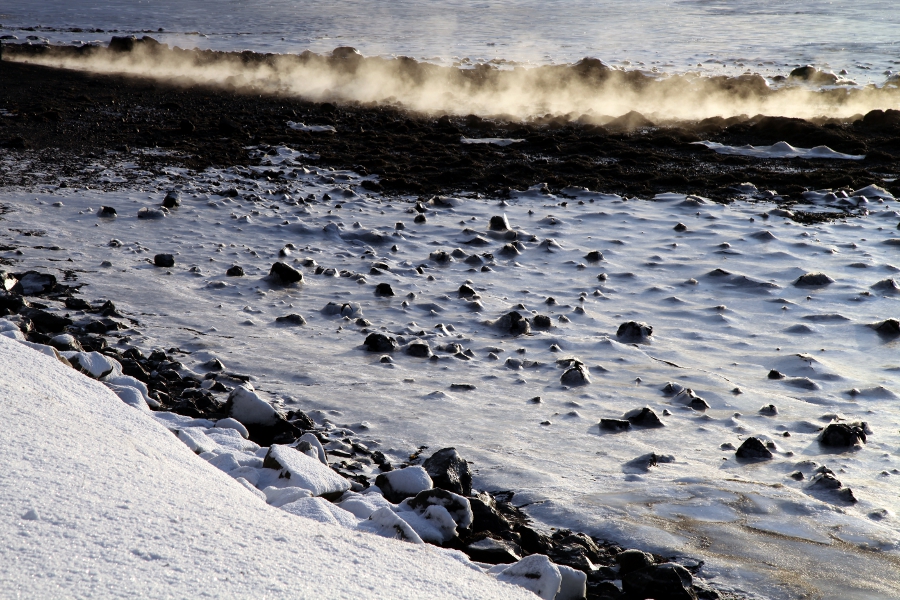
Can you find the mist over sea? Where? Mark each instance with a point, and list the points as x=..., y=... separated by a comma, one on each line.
x=768, y=37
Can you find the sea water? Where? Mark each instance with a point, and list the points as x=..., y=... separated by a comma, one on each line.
x=769, y=37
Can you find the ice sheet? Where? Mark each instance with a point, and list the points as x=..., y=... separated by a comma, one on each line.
x=722, y=318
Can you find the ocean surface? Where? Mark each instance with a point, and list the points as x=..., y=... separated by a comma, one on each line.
x=764, y=36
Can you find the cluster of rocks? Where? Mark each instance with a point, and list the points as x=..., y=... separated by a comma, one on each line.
x=291, y=462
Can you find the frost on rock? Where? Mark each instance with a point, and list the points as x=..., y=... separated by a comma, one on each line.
x=534, y=573
x=279, y=496
x=457, y=506
x=386, y=523
x=403, y=483
x=305, y=471
x=246, y=406
x=94, y=364
x=321, y=510
x=363, y=505
x=434, y=524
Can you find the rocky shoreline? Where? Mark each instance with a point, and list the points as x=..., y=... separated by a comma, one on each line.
x=49, y=316
x=62, y=119
x=63, y=116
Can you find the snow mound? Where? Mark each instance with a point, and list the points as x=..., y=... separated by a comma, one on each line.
x=139, y=505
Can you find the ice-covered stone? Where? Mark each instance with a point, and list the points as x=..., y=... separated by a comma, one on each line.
x=305, y=471
x=403, y=483
x=534, y=573
x=247, y=407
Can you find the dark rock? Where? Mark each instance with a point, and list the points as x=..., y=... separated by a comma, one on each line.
x=634, y=331
x=843, y=435
x=122, y=43
x=466, y=291
x=419, y=350
x=172, y=200
x=493, y=551
x=285, y=273
x=889, y=327
x=576, y=375
x=644, y=417
x=774, y=374
x=680, y=227
x=449, y=471
x=542, y=322
x=499, y=223
x=615, y=424
x=32, y=283
x=661, y=582
x=753, y=449
x=485, y=516
x=514, y=323
x=420, y=219
x=164, y=260
x=378, y=342
x=630, y=561
x=384, y=289
x=77, y=304
x=291, y=319
x=66, y=343
x=214, y=364
x=46, y=322
x=456, y=505
x=769, y=409
x=594, y=256
x=813, y=280
x=106, y=212
x=813, y=75
x=235, y=271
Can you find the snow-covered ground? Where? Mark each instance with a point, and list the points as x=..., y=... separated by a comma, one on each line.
x=720, y=292
x=101, y=501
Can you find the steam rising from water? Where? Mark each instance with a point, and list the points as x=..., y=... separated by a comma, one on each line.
x=588, y=91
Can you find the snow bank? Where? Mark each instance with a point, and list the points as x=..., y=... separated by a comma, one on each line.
x=101, y=501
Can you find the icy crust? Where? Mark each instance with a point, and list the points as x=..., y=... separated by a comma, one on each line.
x=781, y=150
x=761, y=356
x=143, y=516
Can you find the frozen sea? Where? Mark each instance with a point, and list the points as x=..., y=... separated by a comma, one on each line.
x=764, y=36
x=720, y=294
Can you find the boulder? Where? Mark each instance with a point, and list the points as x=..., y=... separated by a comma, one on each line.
x=630, y=561
x=456, y=506
x=644, y=417
x=575, y=376
x=291, y=319
x=285, y=274
x=813, y=280
x=534, y=573
x=888, y=327
x=499, y=223
x=514, y=323
x=164, y=260
x=661, y=582
x=384, y=289
x=305, y=472
x=419, y=349
x=493, y=551
x=152, y=213
x=615, y=424
x=753, y=449
x=449, y=471
x=843, y=435
x=400, y=484
x=32, y=283
x=378, y=342
x=107, y=212
x=172, y=200
x=247, y=407
x=634, y=331
x=235, y=271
